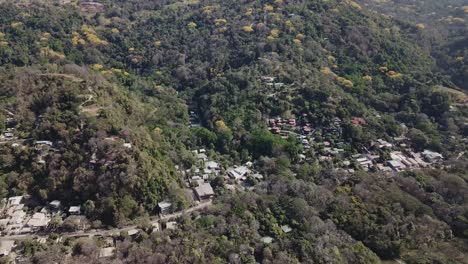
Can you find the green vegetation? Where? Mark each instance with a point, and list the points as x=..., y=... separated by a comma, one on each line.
x=112, y=91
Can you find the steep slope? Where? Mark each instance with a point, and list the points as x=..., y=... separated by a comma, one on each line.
x=442, y=29
x=106, y=147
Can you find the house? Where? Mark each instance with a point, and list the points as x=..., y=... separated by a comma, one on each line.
x=38, y=221
x=383, y=144
x=91, y=7
x=165, y=207
x=267, y=79
x=17, y=217
x=8, y=135
x=432, y=156
x=6, y=246
x=364, y=162
x=15, y=200
x=55, y=204
x=133, y=232
x=275, y=130
x=106, y=252
x=171, y=225
x=44, y=142
x=286, y=228
x=396, y=165
x=74, y=210
x=383, y=168
x=239, y=173
x=307, y=129
x=204, y=191
x=197, y=179
x=278, y=85
x=202, y=156
x=212, y=165
x=358, y=121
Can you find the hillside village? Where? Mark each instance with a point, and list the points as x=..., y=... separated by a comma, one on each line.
x=18, y=217
x=208, y=131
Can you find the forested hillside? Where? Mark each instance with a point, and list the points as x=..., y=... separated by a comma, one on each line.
x=97, y=105
x=442, y=27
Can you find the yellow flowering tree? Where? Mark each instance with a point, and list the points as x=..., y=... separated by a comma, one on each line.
x=192, y=25
x=247, y=29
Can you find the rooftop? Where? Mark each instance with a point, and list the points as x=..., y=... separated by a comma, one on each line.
x=164, y=204
x=74, y=209
x=106, y=252
x=6, y=246
x=204, y=190
x=171, y=225
x=15, y=200
x=55, y=203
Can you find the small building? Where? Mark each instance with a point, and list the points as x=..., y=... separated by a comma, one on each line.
x=91, y=7
x=432, y=156
x=133, y=232
x=17, y=217
x=212, y=165
x=267, y=240
x=8, y=135
x=44, y=142
x=6, y=246
x=55, y=204
x=204, y=191
x=396, y=165
x=165, y=207
x=38, y=221
x=267, y=79
x=383, y=144
x=15, y=200
x=202, y=156
x=74, y=210
x=239, y=173
x=106, y=252
x=171, y=225
x=127, y=145
x=358, y=121
x=365, y=162
x=286, y=229
x=278, y=85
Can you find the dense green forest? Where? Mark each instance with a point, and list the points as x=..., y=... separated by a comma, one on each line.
x=111, y=87
x=444, y=31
